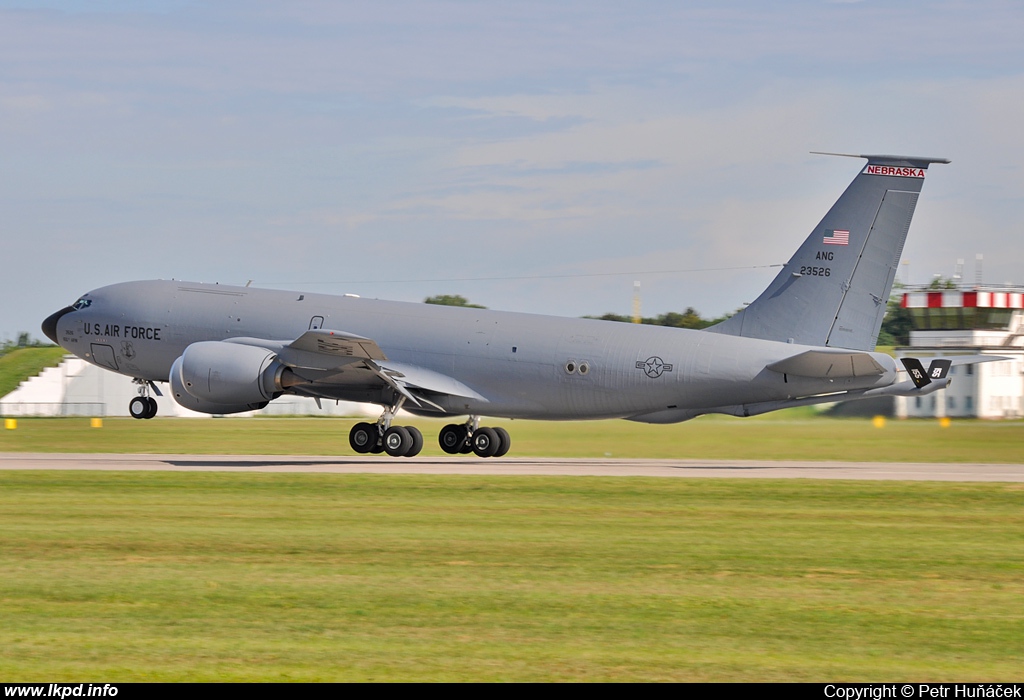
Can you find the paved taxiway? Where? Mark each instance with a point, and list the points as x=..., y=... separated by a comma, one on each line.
x=520, y=466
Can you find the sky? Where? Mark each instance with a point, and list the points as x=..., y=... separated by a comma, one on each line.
x=531, y=156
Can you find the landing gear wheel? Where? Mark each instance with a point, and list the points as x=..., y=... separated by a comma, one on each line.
x=485, y=442
x=397, y=441
x=504, y=442
x=452, y=438
x=138, y=407
x=152, y=407
x=417, y=441
x=363, y=437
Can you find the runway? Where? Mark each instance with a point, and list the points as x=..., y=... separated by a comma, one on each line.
x=521, y=466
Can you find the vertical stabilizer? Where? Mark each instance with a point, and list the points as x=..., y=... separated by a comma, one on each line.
x=833, y=291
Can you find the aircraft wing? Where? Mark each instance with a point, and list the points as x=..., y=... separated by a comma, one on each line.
x=341, y=353
x=831, y=364
x=413, y=377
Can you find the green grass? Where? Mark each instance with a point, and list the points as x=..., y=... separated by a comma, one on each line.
x=18, y=365
x=200, y=576
x=782, y=436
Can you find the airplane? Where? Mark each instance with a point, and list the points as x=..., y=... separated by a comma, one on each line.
x=809, y=338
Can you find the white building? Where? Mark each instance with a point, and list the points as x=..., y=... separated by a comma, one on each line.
x=77, y=388
x=980, y=321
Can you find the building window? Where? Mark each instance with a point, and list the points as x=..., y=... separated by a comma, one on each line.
x=969, y=403
x=952, y=402
x=970, y=370
x=917, y=402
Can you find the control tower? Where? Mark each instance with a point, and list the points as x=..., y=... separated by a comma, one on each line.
x=983, y=320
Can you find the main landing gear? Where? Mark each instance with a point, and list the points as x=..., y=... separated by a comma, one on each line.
x=407, y=441
x=396, y=440
x=469, y=437
x=142, y=406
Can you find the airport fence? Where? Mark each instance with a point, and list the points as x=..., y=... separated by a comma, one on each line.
x=53, y=410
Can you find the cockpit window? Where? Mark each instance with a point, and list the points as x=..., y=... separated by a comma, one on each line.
x=81, y=304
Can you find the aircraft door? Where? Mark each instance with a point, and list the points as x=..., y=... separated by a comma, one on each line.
x=316, y=323
x=103, y=355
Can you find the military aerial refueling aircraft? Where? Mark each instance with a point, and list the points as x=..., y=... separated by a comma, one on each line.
x=807, y=339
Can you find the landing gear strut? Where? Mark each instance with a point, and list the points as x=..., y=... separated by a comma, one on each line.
x=407, y=441
x=396, y=440
x=470, y=437
x=143, y=405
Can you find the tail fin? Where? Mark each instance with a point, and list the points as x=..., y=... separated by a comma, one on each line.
x=833, y=291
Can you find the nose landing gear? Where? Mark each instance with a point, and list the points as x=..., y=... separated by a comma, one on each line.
x=142, y=406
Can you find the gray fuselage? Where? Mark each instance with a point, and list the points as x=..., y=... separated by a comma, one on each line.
x=524, y=365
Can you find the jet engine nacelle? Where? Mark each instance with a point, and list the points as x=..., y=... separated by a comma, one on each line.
x=216, y=377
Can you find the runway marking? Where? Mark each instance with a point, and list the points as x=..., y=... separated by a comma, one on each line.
x=522, y=466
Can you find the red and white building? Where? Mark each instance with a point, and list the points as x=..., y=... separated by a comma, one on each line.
x=982, y=321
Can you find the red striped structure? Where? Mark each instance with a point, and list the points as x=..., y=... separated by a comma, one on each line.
x=969, y=300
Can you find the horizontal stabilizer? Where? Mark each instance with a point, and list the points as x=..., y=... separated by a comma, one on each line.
x=957, y=360
x=891, y=160
x=829, y=365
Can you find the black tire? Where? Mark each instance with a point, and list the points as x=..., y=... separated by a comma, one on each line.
x=152, y=407
x=138, y=407
x=417, y=441
x=397, y=441
x=504, y=442
x=363, y=437
x=485, y=442
x=452, y=438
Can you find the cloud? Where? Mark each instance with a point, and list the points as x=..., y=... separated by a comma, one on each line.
x=318, y=141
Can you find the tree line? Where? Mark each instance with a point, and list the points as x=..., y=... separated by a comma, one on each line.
x=24, y=340
x=895, y=327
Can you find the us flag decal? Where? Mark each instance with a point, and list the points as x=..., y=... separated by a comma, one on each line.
x=837, y=237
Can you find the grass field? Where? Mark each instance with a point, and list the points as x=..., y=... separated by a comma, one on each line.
x=786, y=435
x=18, y=365
x=170, y=576
x=242, y=576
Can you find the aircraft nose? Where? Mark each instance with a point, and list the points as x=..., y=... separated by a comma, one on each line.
x=50, y=324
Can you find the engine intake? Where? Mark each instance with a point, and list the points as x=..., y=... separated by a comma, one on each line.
x=216, y=377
